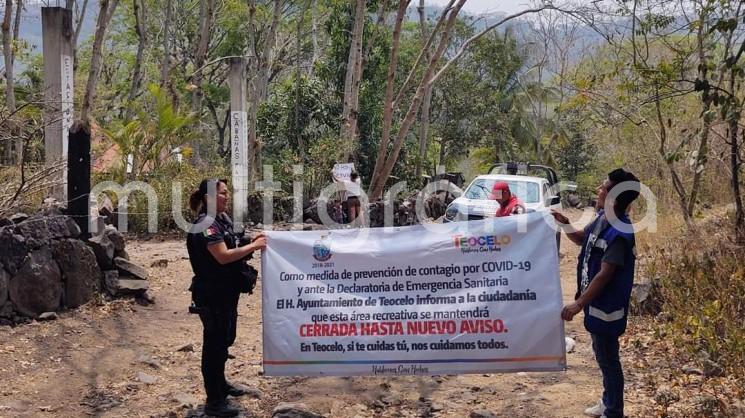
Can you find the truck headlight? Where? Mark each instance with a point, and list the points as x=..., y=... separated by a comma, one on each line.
x=451, y=213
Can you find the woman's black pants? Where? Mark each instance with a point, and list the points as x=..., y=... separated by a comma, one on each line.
x=219, y=320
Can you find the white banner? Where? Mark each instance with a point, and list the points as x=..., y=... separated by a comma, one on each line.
x=343, y=171
x=467, y=297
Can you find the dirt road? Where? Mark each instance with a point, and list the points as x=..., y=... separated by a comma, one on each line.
x=121, y=359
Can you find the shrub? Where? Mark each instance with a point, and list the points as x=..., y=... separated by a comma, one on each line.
x=702, y=281
x=162, y=181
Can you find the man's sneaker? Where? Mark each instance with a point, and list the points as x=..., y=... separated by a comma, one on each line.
x=597, y=410
x=233, y=390
x=222, y=409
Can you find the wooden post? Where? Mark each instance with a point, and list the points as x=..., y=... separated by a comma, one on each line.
x=57, y=33
x=79, y=176
x=239, y=139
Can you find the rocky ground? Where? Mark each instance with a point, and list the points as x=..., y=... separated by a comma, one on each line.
x=118, y=359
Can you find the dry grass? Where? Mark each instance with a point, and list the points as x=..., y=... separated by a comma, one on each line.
x=26, y=191
x=700, y=275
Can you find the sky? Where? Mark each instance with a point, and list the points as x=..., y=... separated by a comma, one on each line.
x=481, y=6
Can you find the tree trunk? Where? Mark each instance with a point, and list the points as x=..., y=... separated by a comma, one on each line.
x=351, y=82
x=443, y=145
x=78, y=27
x=165, y=64
x=206, y=14
x=17, y=22
x=223, y=150
x=703, y=150
x=387, y=168
x=382, y=172
x=261, y=65
x=106, y=12
x=8, y=58
x=298, y=132
x=424, y=123
x=314, y=34
x=677, y=183
x=139, y=14
x=735, y=159
x=388, y=99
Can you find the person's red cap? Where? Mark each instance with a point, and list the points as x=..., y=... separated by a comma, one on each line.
x=500, y=186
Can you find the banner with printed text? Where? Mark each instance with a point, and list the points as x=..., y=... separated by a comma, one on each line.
x=466, y=297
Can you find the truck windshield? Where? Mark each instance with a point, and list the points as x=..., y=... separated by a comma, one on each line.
x=527, y=191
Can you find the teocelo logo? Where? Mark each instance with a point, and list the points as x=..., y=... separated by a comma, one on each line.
x=488, y=241
x=321, y=250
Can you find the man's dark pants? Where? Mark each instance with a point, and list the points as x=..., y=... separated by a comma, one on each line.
x=219, y=320
x=606, y=350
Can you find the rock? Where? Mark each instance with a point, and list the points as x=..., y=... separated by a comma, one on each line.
x=97, y=225
x=126, y=267
x=62, y=227
x=664, y=396
x=293, y=410
x=4, y=280
x=712, y=368
x=106, y=210
x=254, y=393
x=142, y=301
x=130, y=287
x=18, y=217
x=51, y=207
x=80, y=271
x=6, y=310
x=48, y=316
x=645, y=298
x=145, y=359
x=103, y=248
x=145, y=299
x=120, y=286
x=391, y=399
x=707, y=406
x=5, y=222
x=13, y=249
x=111, y=282
x=162, y=263
x=35, y=231
x=121, y=254
x=570, y=344
x=185, y=400
x=146, y=378
x=186, y=348
x=482, y=413
x=692, y=370
x=37, y=287
x=115, y=237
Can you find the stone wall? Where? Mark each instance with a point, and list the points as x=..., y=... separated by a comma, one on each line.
x=46, y=266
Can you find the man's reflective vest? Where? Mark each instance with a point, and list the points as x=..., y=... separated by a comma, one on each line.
x=607, y=313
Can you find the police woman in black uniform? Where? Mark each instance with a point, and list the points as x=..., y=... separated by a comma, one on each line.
x=220, y=275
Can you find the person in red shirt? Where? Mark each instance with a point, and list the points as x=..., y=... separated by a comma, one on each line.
x=509, y=204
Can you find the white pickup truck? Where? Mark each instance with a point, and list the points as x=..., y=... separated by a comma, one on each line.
x=537, y=186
